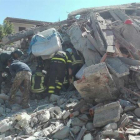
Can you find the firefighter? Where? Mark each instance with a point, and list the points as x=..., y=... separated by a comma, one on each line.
x=60, y=62
x=4, y=57
x=77, y=60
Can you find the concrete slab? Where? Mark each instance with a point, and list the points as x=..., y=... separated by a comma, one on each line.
x=117, y=67
x=107, y=114
x=96, y=84
x=137, y=112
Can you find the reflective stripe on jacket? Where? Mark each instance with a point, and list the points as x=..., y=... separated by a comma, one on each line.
x=61, y=56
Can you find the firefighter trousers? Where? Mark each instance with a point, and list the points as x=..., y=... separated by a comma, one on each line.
x=56, y=77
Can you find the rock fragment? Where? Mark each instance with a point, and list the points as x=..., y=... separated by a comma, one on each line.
x=5, y=125
x=137, y=112
x=89, y=126
x=4, y=96
x=75, y=129
x=62, y=134
x=107, y=114
x=54, y=98
x=65, y=114
x=77, y=122
x=88, y=137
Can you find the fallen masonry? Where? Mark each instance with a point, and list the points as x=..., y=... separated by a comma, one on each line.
x=105, y=102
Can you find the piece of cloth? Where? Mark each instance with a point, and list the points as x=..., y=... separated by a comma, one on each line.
x=17, y=66
x=24, y=78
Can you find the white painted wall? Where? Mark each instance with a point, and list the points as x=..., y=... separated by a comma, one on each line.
x=16, y=28
x=17, y=25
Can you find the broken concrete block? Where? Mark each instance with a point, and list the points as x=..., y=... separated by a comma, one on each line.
x=123, y=121
x=1, y=101
x=2, y=136
x=83, y=117
x=71, y=105
x=66, y=115
x=1, y=111
x=28, y=130
x=75, y=129
x=44, y=116
x=5, y=125
x=113, y=134
x=69, y=122
x=54, y=98
x=16, y=107
x=118, y=81
x=62, y=134
x=117, y=67
x=84, y=109
x=112, y=126
x=83, y=44
x=7, y=133
x=58, y=126
x=107, y=114
x=61, y=101
x=8, y=110
x=38, y=133
x=88, y=137
x=132, y=131
x=129, y=61
x=34, y=121
x=89, y=126
x=134, y=137
x=137, y=112
x=80, y=73
x=55, y=112
x=129, y=108
x=77, y=122
x=73, y=100
x=4, y=96
x=96, y=84
x=23, y=119
x=74, y=114
x=8, y=138
x=78, y=106
x=82, y=132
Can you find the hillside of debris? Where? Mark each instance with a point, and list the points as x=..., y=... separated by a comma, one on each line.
x=105, y=104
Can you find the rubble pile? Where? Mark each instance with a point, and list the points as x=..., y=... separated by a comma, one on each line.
x=70, y=117
x=106, y=102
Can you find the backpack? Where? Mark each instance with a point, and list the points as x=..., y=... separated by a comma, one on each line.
x=38, y=84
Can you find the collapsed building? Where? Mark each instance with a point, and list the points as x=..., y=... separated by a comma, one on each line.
x=106, y=103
